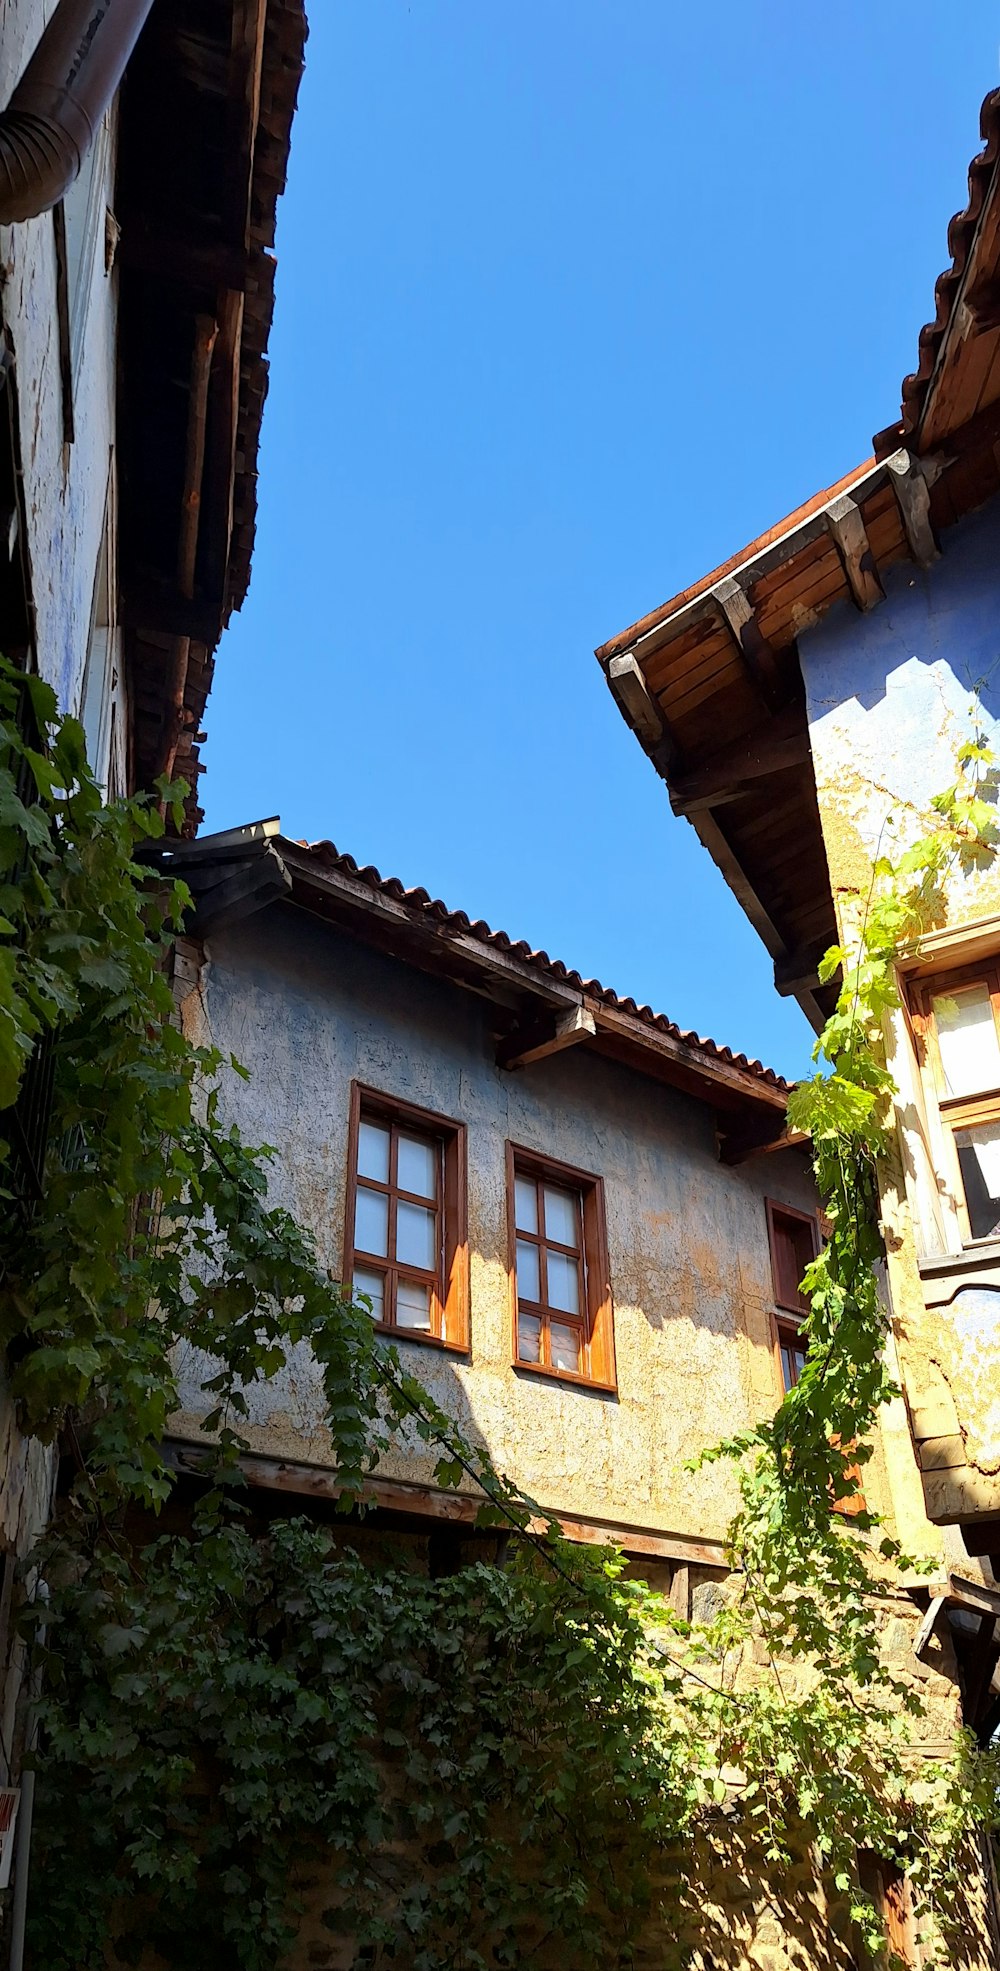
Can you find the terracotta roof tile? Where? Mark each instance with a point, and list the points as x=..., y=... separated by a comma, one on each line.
x=422, y=904
x=961, y=234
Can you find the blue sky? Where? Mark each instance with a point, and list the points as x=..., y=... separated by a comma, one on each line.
x=575, y=297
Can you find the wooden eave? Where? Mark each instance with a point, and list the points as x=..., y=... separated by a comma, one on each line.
x=530, y=999
x=710, y=683
x=206, y=112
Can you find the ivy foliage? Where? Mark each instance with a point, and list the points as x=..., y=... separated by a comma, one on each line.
x=243, y=1726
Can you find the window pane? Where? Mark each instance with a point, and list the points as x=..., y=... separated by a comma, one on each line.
x=787, y=1369
x=373, y=1285
x=416, y=1242
x=561, y=1221
x=528, y=1286
x=371, y=1221
x=373, y=1152
x=529, y=1338
x=564, y=1281
x=564, y=1346
x=979, y=1158
x=416, y=1168
x=792, y=1251
x=413, y=1304
x=967, y=1037
x=525, y=1204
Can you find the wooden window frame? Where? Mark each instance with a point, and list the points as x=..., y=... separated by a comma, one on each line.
x=786, y=1320
x=450, y=1288
x=598, y=1306
x=955, y=1111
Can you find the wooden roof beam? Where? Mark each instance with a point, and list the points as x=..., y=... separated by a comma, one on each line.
x=544, y=1037
x=913, y=498
x=846, y=526
x=738, y=613
x=734, y=770
x=642, y=712
x=798, y=971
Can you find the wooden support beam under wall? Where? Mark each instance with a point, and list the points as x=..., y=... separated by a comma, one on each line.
x=544, y=1037
x=758, y=655
x=847, y=528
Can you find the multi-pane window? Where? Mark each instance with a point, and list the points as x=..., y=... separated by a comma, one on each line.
x=563, y=1318
x=794, y=1242
x=959, y=1014
x=405, y=1233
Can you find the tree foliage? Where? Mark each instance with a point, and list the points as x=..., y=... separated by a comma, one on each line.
x=512, y=1760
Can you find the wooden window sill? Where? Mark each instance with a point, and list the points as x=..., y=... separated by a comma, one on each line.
x=566, y=1375
x=426, y=1341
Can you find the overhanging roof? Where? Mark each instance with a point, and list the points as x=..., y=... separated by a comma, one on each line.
x=204, y=134
x=710, y=682
x=541, y=1005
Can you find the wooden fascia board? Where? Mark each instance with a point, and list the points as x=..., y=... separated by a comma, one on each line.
x=715, y=1074
x=302, y=1480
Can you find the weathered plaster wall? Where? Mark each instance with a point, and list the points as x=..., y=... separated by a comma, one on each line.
x=888, y=696
x=65, y=486
x=307, y=1010
x=890, y=699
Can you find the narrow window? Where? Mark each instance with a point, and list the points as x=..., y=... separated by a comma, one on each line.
x=563, y=1321
x=959, y=1017
x=794, y=1242
x=887, y=1886
x=405, y=1245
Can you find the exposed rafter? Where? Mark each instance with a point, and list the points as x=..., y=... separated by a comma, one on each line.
x=546, y=1036
x=761, y=662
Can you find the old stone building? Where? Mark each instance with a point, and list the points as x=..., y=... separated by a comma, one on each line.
x=136, y=291
x=583, y=1229
x=804, y=703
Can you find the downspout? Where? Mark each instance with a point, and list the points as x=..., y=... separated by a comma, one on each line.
x=53, y=115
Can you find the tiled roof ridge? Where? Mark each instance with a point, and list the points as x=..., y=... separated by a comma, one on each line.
x=459, y=923
x=961, y=234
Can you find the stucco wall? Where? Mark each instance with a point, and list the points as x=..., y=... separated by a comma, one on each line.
x=307, y=1010
x=64, y=485
x=888, y=696
x=890, y=699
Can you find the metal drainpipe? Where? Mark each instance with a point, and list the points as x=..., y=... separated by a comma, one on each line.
x=51, y=119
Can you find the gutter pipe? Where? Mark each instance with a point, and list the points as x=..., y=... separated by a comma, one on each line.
x=55, y=110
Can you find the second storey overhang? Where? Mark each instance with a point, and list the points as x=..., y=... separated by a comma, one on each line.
x=204, y=132
x=711, y=682
x=541, y=1007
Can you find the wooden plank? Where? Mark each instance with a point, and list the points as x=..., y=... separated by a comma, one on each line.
x=545, y=1037
x=778, y=744
x=942, y=1453
x=847, y=529
x=928, y=1626
x=937, y=1418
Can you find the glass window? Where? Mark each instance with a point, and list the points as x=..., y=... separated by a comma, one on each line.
x=404, y=1248
x=563, y=1306
x=979, y=1161
x=967, y=1039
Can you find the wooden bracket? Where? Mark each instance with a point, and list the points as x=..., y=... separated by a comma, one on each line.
x=847, y=528
x=913, y=499
x=738, y=612
x=544, y=1037
x=928, y=1626
x=636, y=701
x=759, y=1140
